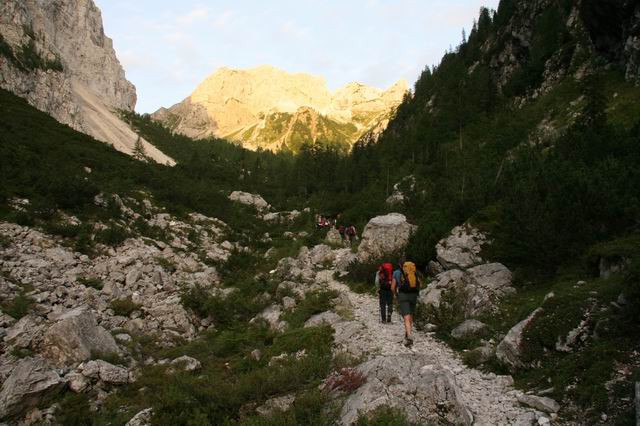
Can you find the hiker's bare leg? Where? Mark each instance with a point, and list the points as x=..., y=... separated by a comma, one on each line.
x=407, y=325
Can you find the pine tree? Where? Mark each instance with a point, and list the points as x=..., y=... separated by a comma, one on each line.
x=139, y=152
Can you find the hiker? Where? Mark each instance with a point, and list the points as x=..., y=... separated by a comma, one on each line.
x=384, y=277
x=351, y=234
x=406, y=286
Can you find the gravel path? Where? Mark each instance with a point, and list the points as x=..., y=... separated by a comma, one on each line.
x=491, y=399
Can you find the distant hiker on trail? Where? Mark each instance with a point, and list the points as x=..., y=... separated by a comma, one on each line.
x=351, y=234
x=384, y=277
x=406, y=286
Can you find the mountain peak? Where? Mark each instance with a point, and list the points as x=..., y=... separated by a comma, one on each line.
x=233, y=103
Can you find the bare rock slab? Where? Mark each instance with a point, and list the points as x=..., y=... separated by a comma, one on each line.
x=32, y=382
x=75, y=337
x=385, y=235
x=407, y=382
x=540, y=403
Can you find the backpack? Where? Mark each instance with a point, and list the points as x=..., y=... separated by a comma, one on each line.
x=385, y=274
x=410, y=283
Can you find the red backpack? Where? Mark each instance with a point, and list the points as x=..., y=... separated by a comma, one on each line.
x=385, y=273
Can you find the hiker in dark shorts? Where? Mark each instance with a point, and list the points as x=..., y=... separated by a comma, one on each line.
x=407, y=296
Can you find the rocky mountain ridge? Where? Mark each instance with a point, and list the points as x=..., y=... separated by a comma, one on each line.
x=56, y=55
x=265, y=107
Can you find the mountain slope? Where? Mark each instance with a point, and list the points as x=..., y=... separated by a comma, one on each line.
x=252, y=107
x=56, y=55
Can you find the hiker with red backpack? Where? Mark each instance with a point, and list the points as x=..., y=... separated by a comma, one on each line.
x=384, y=277
x=405, y=286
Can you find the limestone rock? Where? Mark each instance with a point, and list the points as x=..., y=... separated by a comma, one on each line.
x=540, y=403
x=509, y=350
x=385, y=235
x=407, y=382
x=75, y=337
x=77, y=382
x=329, y=318
x=89, y=83
x=462, y=248
x=476, y=291
x=271, y=315
x=251, y=200
x=260, y=107
x=273, y=405
x=333, y=237
x=32, y=382
x=105, y=371
x=143, y=418
x=187, y=363
x=469, y=329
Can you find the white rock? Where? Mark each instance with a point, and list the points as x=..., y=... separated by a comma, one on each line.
x=385, y=235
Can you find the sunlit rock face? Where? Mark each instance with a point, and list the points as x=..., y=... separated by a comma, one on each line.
x=268, y=108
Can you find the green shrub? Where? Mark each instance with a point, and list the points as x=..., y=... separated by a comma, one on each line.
x=312, y=304
x=113, y=235
x=75, y=410
x=384, y=416
x=4, y=241
x=18, y=307
x=166, y=264
x=92, y=282
x=124, y=307
x=110, y=357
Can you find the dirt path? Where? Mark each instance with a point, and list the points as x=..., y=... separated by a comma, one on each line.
x=491, y=399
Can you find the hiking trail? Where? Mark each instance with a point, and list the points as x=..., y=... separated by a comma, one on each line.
x=491, y=399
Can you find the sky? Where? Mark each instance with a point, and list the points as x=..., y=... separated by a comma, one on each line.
x=168, y=47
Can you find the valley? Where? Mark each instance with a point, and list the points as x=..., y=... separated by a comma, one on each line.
x=168, y=268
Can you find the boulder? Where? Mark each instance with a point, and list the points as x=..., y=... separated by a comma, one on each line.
x=25, y=332
x=273, y=405
x=540, y=403
x=333, y=237
x=469, y=329
x=105, y=371
x=462, y=248
x=251, y=200
x=187, y=363
x=475, y=291
x=31, y=383
x=385, y=235
x=75, y=337
x=482, y=354
x=77, y=382
x=271, y=315
x=143, y=418
x=328, y=317
x=407, y=382
x=321, y=254
x=509, y=350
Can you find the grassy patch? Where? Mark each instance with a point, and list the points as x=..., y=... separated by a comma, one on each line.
x=92, y=282
x=384, y=416
x=124, y=307
x=17, y=307
x=312, y=304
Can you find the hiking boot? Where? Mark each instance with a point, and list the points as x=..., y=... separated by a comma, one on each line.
x=408, y=342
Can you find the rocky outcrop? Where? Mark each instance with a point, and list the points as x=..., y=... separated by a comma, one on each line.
x=31, y=383
x=540, y=403
x=385, y=235
x=105, y=372
x=510, y=350
x=264, y=108
x=252, y=200
x=76, y=337
x=71, y=71
x=462, y=248
x=426, y=393
x=469, y=329
x=473, y=292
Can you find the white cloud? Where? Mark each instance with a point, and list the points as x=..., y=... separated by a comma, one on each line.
x=199, y=13
x=290, y=28
x=224, y=19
